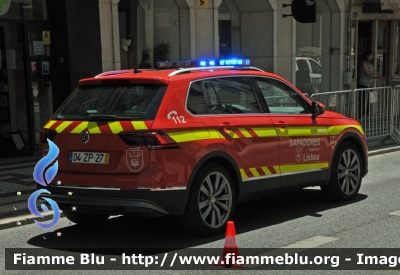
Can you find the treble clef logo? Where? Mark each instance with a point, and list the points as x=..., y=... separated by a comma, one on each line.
x=49, y=175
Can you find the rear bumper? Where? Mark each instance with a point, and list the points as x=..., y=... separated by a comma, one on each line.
x=118, y=202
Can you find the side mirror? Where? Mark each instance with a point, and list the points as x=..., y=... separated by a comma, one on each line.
x=316, y=109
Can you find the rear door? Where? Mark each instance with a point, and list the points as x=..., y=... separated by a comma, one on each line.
x=249, y=134
x=303, y=140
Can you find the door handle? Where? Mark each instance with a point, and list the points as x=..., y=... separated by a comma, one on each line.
x=227, y=126
x=281, y=125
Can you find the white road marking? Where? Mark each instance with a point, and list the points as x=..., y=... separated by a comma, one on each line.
x=396, y=213
x=298, y=246
x=311, y=242
x=16, y=166
x=6, y=177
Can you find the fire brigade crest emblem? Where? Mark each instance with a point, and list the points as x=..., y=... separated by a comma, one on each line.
x=134, y=160
x=298, y=153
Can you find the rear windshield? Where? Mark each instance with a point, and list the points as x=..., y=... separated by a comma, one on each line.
x=108, y=102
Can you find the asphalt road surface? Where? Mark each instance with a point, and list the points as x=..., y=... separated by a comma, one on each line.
x=302, y=219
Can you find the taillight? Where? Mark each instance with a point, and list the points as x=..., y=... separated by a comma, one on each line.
x=153, y=140
x=47, y=134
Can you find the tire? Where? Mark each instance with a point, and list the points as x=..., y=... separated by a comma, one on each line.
x=346, y=174
x=211, y=201
x=84, y=218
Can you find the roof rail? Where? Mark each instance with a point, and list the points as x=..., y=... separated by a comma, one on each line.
x=119, y=72
x=114, y=73
x=180, y=71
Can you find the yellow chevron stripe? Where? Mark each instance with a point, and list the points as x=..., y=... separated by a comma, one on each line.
x=254, y=172
x=266, y=170
x=139, y=125
x=115, y=127
x=49, y=124
x=79, y=129
x=62, y=126
x=243, y=174
x=245, y=133
x=232, y=134
x=93, y=128
x=302, y=167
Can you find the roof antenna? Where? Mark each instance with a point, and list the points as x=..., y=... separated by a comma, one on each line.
x=136, y=70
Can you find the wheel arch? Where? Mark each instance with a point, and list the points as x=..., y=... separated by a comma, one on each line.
x=356, y=140
x=224, y=160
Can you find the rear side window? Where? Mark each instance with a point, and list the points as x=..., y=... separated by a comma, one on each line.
x=195, y=102
x=124, y=102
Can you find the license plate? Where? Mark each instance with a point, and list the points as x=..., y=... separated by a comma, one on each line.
x=89, y=157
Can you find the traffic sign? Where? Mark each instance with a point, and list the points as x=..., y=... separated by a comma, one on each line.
x=46, y=37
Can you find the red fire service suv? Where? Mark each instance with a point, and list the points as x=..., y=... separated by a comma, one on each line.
x=193, y=139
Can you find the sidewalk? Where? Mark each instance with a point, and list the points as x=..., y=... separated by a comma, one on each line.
x=16, y=176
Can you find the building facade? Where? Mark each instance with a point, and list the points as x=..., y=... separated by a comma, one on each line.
x=47, y=46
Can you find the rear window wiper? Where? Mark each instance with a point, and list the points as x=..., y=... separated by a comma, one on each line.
x=107, y=117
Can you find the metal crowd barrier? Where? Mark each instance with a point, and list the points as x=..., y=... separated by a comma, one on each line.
x=377, y=109
x=395, y=114
x=386, y=81
x=309, y=85
x=339, y=101
x=374, y=111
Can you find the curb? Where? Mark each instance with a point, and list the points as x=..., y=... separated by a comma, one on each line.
x=24, y=220
x=383, y=151
x=29, y=218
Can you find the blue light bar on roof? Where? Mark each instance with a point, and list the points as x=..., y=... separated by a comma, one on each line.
x=163, y=65
x=202, y=63
x=234, y=61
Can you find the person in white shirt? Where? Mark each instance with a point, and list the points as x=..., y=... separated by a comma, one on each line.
x=365, y=80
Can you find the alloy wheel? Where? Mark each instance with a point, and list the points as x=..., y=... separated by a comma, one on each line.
x=215, y=199
x=349, y=172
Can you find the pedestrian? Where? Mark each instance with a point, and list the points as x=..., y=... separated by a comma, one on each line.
x=365, y=81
